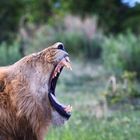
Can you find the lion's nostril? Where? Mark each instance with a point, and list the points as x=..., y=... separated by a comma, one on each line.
x=61, y=46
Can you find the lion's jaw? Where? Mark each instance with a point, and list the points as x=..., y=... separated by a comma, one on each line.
x=42, y=77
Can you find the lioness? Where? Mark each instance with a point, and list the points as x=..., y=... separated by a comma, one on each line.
x=28, y=104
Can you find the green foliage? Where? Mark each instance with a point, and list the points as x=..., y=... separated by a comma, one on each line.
x=125, y=91
x=74, y=42
x=120, y=126
x=43, y=11
x=78, y=44
x=80, y=88
x=121, y=53
x=110, y=13
x=9, y=54
x=12, y=12
x=79, y=40
x=131, y=84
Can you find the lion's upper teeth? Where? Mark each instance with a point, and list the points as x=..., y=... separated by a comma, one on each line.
x=66, y=63
x=67, y=59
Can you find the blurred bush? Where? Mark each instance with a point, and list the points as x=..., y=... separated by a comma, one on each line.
x=9, y=53
x=123, y=90
x=81, y=39
x=80, y=36
x=122, y=53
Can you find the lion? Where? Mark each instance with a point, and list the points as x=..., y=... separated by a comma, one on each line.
x=28, y=103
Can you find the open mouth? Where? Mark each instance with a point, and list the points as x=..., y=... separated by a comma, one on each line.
x=63, y=110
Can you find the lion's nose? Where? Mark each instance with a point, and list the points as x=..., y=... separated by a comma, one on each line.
x=60, y=46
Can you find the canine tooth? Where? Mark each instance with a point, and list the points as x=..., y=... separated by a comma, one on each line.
x=70, y=67
x=59, y=70
x=67, y=65
x=67, y=58
x=55, y=74
x=61, y=64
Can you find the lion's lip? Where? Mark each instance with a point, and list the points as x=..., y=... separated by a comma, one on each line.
x=63, y=110
x=60, y=108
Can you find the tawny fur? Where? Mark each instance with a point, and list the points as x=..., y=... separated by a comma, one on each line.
x=25, y=111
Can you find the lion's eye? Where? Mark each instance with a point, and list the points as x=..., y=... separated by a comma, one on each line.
x=61, y=46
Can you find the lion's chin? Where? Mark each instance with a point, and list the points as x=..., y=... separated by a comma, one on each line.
x=61, y=109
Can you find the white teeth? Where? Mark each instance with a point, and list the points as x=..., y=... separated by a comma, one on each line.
x=58, y=69
x=64, y=62
x=67, y=58
x=55, y=74
x=68, y=109
x=69, y=67
x=67, y=64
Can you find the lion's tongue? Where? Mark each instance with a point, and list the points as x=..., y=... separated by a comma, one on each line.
x=65, y=62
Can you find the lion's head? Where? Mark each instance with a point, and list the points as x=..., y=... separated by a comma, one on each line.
x=57, y=56
x=28, y=100
x=45, y=68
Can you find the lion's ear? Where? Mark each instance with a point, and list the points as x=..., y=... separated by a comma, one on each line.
x=2, y=85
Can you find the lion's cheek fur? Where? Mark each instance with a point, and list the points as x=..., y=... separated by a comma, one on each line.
x=21, y=108
x=57, y=119
x=25, y=110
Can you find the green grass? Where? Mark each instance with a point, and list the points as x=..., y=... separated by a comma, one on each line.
x=121, y=126
x=81, y=89
x=9, y=53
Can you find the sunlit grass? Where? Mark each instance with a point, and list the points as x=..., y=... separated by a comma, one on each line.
x=83, y=93
x=120, y=126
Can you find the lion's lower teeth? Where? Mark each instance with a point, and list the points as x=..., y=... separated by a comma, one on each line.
x=68, y=108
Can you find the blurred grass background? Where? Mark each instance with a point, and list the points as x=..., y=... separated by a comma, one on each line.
x=103, y=40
